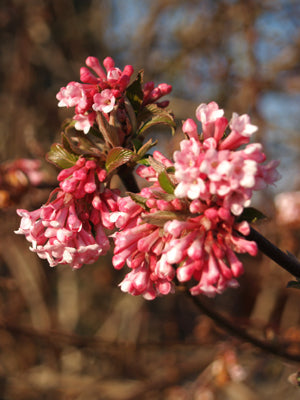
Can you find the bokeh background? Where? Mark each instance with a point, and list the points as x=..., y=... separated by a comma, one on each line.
x=74, y=335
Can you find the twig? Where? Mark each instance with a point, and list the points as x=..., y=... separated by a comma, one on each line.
x=284, y=260
x=128, y=179
x=60, y=338
x=237, y=331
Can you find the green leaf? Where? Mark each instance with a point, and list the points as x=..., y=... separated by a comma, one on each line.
x=147, y=146
x=156, y=165
x=164, y=196
x=137, y=144
x=117, y=157
x=109, y=129
x=294, y=284
x=134, y=92
x=81, y=143
x=251, y=214
x=139, y=199
x=165, y=182
x=144, y=161
x=152, y=115
x=68, y=124
x=161, y=217
x=60, y=156
x=66, y=143
x=171, y=170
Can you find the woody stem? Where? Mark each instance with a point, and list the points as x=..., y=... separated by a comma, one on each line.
x=128, y=179
x=284, y=260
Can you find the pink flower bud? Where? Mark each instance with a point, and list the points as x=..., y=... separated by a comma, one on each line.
x=190, y=128
x=87, y=77
x=94, y=64
x=108, y=63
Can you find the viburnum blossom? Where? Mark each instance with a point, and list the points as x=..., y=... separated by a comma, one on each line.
x=103, y=90
x=151, y=93
x=141, y=244
x=213, y=169
x=104, y=101
x=193, y=233
x=208, y=114
x=199, y=246
x=97, y=92
x=204, y=247
x=70, y=227
x=187, y=225
x=84, y=122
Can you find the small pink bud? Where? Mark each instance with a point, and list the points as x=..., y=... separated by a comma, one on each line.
x=211, y=213
x=220, y=126
x=102, y=174
x=108, y=63
x=155, y=94
x=148, y=87
x=163, y=104
x=164, y=88
x=128, y=70
x=90, y=164
x=87, y=77
x=158, y=156
x=80, y=162
x=224, y=214
x=189, y=127
x=94, y=64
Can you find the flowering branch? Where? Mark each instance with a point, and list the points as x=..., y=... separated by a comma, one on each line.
x=187, y=225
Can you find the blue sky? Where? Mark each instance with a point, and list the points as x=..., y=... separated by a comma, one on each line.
x=277, y=29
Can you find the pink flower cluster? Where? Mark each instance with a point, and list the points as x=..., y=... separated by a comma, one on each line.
x=151, y=94
x=140, y=245
x=102, y=91
x=212, y=169
x=69, y=229
x=193, y=234
x=182, y=227
x=204, y=248
x=171, y=238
